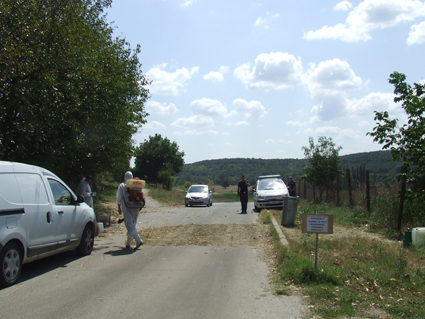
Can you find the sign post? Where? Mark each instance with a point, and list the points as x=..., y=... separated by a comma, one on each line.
x=318, y=224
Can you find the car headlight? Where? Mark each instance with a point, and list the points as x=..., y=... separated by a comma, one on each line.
x=188, y=196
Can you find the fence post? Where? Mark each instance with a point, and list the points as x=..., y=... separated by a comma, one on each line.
x=338, y=203
x=367, y=192
x=400, y=209
x=299, y=188
x=350, y=193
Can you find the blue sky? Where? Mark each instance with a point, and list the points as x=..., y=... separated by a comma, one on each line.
x=256, y=79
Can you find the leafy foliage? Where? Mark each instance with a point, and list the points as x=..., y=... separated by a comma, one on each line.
x=71, y=97
x=158, y=154
x=406, y=142
x=324, y=162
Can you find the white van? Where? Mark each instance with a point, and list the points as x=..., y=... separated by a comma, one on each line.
x=39, y=216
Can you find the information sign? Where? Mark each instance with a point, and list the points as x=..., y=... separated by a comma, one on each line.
x=317, y=223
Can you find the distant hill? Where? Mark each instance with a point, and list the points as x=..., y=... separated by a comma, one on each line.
x=379, y=164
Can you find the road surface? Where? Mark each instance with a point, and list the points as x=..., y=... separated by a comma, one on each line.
x=154, y=282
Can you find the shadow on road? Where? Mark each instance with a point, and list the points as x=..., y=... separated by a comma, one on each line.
x=45, y=265
x=120, y=252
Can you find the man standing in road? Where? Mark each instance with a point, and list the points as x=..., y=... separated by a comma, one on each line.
x=292, y=187
x=243, y=193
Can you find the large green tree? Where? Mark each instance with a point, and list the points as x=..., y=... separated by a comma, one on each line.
x=71, y=96
x=158, y=154
x=324, y=160
x=406, y=142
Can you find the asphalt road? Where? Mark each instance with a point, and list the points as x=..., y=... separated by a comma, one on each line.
x=154, y=282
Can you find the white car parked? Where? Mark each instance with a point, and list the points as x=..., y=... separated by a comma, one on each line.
x=39, y=216
x=269, y=192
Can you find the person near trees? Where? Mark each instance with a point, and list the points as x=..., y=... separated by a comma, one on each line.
x=243, y=193
x=292, y=187
x=130, y=213
x=84, y=189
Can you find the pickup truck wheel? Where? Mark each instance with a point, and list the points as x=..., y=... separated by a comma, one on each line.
x=87, y=240
x=11, y=264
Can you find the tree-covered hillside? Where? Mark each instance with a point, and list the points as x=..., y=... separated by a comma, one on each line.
x=229, y=170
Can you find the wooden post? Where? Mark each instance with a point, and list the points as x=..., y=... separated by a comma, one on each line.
x=338, y=203
x=400, y=209
x=305, y=189
x=317, y=249
x=350, y=193
x=367, y=192
x=299, y=188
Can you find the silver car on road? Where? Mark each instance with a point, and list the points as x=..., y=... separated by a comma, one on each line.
x=199, y=195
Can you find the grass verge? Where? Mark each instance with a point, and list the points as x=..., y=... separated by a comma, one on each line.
x=358, y=273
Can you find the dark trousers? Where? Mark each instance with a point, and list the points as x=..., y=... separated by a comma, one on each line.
x=244, y=201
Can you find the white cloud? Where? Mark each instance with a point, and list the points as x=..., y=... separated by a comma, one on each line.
x=334, y=106
x=195, y=133
x=372, y=102
x=154, y=107
x=365, y=123
x=285, y=142
x=187, y=3
x=259, y=21
x=370, y=15
x=328, y=84
x=241, y=123
x=338, y=132
x=265, y=21
x=296, y=123
x=194, y=121
x=416, y=34
x=332, y=77
x=250, y=109
x=270, y=141
x=343, y=6
x=169, y=83
x=211, y=107
x=216, y=76
x=154, y=125
x=274, y=71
